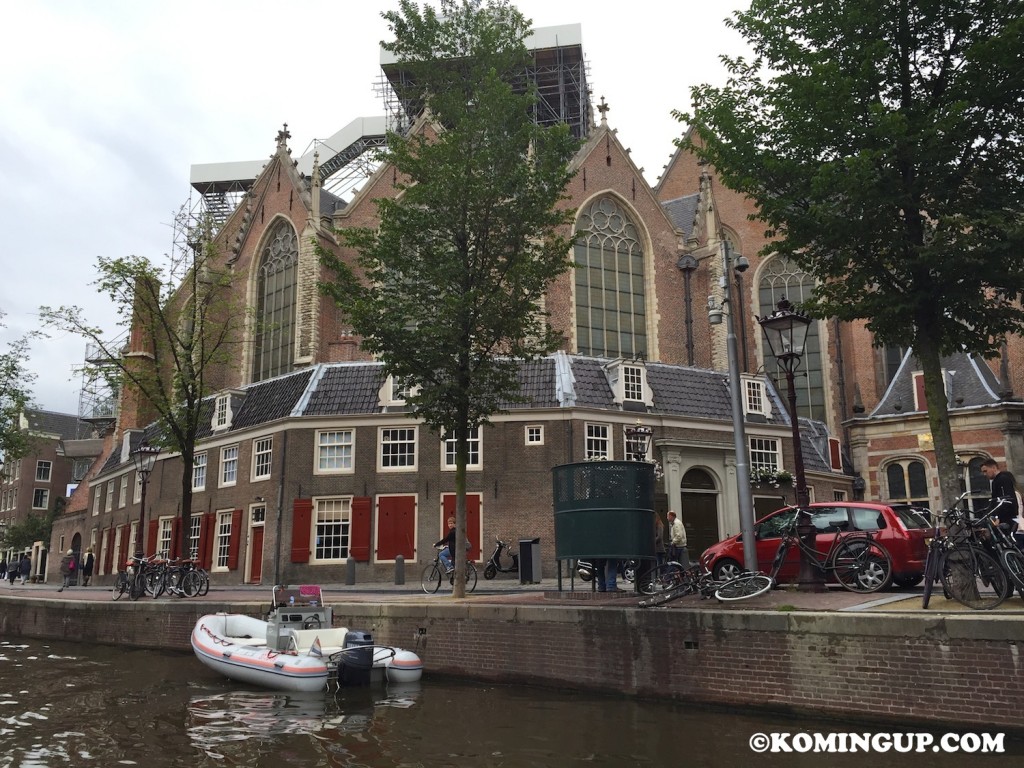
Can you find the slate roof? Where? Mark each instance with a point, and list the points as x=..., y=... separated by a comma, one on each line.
x=67, y=425
x=969, y=383
x=682, y=211
x=346, y=389
x=270, y=400
x=537, y=385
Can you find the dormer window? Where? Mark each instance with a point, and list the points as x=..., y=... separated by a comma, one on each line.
x=755, y=398
x=628, y=382
x=394, y=394
x=225, y=407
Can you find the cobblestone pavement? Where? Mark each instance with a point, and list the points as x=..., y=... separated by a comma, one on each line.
x=505, y=591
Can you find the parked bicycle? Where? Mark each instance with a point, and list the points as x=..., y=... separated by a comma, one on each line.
x=972, y=559
x=435, y=572
x=854, y=559
x=672, y=580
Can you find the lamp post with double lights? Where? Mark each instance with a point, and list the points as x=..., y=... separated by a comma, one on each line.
x=144, y=458
x=785, y=330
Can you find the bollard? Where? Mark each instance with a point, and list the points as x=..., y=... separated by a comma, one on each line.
x=350, y=572
x=399, y=569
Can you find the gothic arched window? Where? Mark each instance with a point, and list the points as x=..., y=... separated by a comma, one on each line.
x=783, y=278
x=277, y=278
x=611, y=314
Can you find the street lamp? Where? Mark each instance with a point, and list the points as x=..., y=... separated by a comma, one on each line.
x=144, y=458
x=638, y=440
x=786, y=329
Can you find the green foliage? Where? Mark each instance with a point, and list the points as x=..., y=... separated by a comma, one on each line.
x=26, y=532
x=446, y=291
x=15, y=396
x=881, y=141
x=448, y=286
x=186, y=321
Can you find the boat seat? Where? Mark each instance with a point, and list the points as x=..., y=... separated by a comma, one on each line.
x=247, y=640
x=331, y=640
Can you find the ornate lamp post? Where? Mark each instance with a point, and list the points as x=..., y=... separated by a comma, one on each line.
x=786, y=329
x=144, y=458
x=638, y=440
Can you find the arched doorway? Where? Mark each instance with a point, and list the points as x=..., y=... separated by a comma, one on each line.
x=700, y=511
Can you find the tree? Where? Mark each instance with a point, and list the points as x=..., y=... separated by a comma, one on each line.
x=184, y=322
x=15, y=397
x=881, y=142
x=446, y=291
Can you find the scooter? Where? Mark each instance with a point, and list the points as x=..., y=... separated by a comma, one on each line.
x=627, y=570
x=494, y=564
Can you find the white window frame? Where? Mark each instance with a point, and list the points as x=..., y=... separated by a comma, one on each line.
x=96, y=499
x=765, y=453
x=330, y=511
x=46, y=498
x=634, y=382
x=527, y=436
x=137, y=492
x=133, y=537
x=382, y=432
x=163, y=537
x=476, y=446
x=221, y=413
x=195, y=527
x=44, y=471
x=594, y=435
x=334, y=446
x=262, y=458
x=199, y=462
x=755, y=397
x=110, y=496
x=222, y=541
x=122, y=493
x=227, y=463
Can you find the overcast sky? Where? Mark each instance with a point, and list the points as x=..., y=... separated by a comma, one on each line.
x=106, y=104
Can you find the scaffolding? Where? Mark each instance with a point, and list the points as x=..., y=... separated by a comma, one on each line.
x=97, y=397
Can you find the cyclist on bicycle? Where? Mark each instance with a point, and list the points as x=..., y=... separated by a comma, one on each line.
x=449, y=546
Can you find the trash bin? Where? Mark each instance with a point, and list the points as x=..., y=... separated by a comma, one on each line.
x=356, y=658
x=529, y=561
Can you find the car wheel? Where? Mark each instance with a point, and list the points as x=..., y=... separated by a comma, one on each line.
x=726, y=569
x=906, y=581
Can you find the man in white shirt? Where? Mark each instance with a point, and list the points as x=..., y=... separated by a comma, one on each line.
x=677, y=540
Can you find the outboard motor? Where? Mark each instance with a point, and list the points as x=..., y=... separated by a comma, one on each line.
x=355, y=659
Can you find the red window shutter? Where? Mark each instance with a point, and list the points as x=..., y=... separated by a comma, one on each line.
x=151, y=537
x=236, y=538
x=302, y=519
x=108, y=550
x=206, y=534
x=359, y=529
x=920, y=401
x=122, y=555
x=835, y=455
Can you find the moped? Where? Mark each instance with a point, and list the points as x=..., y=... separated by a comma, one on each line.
x=494, y=564
x=626, y=570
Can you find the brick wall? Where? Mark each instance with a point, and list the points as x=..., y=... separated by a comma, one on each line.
x=960, y=670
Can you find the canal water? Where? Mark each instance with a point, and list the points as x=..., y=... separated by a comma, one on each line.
x=66, y=704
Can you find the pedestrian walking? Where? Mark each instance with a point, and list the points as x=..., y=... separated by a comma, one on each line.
x=677, y=540
x=67, y=569
x=88, y=561
x=13, y=570
x=25, y=567
x=3, y=568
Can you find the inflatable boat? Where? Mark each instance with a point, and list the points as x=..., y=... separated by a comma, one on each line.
x=296, y=649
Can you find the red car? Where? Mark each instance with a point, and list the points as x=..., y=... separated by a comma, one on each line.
x=899, y=528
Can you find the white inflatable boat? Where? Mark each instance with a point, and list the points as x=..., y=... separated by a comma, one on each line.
x=297, y=649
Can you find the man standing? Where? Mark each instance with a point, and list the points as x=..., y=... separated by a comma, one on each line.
x=1003, y=487
x=677, y=540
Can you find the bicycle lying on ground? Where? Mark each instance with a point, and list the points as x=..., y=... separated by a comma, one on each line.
x=976, y=561
x=433, y=573
x=672, y=580
x=855, y=560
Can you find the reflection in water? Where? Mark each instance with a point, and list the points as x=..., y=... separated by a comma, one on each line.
x=63, y=704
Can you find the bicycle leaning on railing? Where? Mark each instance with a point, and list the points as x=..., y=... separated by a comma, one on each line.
x=433, y=573
x=854, y=559
x=672, y=580
x=976, y=561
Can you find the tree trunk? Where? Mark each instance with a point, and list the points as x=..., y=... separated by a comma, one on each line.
x=938, y=420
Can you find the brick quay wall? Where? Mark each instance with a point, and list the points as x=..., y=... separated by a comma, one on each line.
x=942, y=669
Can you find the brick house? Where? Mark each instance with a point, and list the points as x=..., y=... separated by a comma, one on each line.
x=312, y=459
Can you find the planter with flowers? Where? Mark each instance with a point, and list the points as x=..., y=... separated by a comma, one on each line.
x=773, y=478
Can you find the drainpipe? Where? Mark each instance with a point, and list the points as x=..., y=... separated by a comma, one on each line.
x=280, y=511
